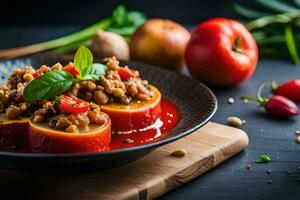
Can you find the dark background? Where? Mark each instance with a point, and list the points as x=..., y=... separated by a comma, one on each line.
x=47, y=12
x=25, y=22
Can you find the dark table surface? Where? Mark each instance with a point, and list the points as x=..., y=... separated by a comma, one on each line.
x=272, y=136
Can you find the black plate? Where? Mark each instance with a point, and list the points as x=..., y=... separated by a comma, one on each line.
x=196, y=104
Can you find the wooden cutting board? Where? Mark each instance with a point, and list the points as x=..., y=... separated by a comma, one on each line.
x=147, y=178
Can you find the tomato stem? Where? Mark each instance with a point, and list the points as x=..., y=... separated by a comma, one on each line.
x=236, y=45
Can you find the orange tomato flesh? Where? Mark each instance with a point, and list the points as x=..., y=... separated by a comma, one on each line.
x=43, y=139
x=136, y=115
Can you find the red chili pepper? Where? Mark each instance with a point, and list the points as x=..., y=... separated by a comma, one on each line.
x=281, y=106
x=36, y=74
x=126, y=73
x=276, y=105
x=289, y=89
x=71, y=69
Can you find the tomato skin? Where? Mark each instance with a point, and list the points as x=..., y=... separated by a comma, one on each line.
x=73, y=105
x=126, y=73
x=71, y=69
x=289, y=89
x=211, y=56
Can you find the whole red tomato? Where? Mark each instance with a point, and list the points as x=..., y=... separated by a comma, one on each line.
x=221, y=52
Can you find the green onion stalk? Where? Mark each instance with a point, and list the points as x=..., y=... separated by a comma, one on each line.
x=275, y=25
x=122, y=22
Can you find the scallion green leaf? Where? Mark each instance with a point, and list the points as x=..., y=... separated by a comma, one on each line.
x=291, y=45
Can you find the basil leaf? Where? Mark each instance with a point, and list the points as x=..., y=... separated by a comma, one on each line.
x=93, y=72
x=48, y=85
x=83, y=58
x=264, y=159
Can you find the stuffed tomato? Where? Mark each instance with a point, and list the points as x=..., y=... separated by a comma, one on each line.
x=69, y=125
x=15, y=112
x=136, y=115
x=131, y=102
x=74, y=108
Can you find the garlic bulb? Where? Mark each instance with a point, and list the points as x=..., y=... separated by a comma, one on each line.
x=107, y=44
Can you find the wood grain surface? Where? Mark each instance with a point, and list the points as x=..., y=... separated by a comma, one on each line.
x=147, y=178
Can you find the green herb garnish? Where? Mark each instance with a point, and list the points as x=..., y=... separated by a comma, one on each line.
x=93, y=72
x=57, y=101
x=57, y=82
x=274, y=24
x=48, y=85
x=264, y=159
x=83, y=63
x=82, y=59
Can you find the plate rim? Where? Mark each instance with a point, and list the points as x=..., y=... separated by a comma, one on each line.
x=7, y=154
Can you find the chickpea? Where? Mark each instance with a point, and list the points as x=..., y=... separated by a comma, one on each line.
x=57, y=66
x=118, y=92
x=91, y=86
x=3, y=97
x=100, y=97
x=23, y=106
x=28, y=77
x=72, y=129
x=38, y=118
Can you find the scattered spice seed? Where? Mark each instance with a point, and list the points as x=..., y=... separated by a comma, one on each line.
x=231, y=100
x=248, y=167
x=297, y=132
x=298, y=139
x=234, y=121
x=269, y=171
x=178, y=153
x=269, y=181
x=128, y=141
x=245, y=101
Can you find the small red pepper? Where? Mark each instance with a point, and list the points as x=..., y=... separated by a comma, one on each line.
x=277, y=105
x=281, y=106
x=289, y=89
x=126, y=73
x=36, y=74
x=71, y=69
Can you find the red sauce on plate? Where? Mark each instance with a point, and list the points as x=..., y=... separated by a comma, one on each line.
x=169, y=119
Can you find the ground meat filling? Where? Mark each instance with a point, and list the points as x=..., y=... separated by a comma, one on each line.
x=110, y=88
x=11, y=103
x=52, y=117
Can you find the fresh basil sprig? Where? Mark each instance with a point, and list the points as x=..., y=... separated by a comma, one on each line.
x=82, y=59
x=93, y=72
x=83, y=63
x=48, y=85
x=56, y=82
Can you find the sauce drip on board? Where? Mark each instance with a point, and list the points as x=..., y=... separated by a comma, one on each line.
x=169, y=119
